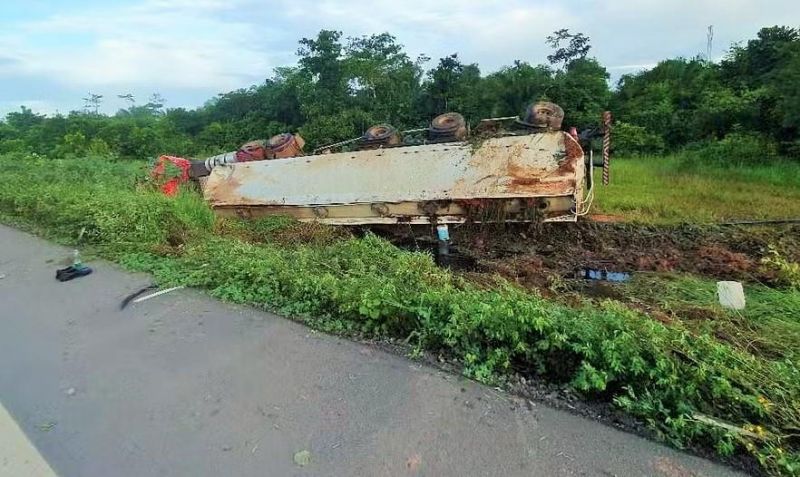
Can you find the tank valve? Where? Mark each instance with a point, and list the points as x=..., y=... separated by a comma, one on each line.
x=443, y=234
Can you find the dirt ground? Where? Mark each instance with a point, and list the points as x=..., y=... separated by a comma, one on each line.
x=540, y=257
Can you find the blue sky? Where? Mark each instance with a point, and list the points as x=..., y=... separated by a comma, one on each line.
x=52, y=52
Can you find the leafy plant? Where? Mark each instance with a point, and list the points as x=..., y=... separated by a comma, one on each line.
x=788, y=272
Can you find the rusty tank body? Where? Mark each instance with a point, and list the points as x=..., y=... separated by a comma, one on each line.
x=535, y=173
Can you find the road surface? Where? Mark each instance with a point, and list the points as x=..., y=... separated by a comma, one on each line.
x=183, y=385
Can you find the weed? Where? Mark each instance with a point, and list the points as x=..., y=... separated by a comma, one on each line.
x=788, y=273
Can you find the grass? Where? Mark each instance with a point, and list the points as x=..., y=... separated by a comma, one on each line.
x=768, y=326
x=672, y=189
x=664, y=374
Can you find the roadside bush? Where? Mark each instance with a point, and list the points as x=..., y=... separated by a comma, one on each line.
x=77, y=145
x=96, y=196
x=735, y=149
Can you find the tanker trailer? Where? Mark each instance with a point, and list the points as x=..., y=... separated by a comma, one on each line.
x=530, y=171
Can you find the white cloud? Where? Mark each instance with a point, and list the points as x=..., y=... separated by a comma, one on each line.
x=639, y=66
x=492, y=33
x=193, y=49
x=158, y=43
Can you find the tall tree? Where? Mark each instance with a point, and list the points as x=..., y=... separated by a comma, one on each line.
x=582, y=90
x=454, y=86
x=509, y=90
x=567, y=46
x=321, y=59
x=752, y=65
x=768, y=67
x=383, y=79
x=127, y=97
x=92, y=102
x=155, y=103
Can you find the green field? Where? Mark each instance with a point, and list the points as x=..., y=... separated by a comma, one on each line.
x=665, y=374
x=670, y=190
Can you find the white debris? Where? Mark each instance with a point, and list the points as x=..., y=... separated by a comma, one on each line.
x=158, y=293
x=731, y=295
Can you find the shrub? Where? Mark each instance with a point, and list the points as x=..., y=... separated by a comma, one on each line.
x=631, y=140
x=735, y=149
x=788, y=273
x=13, y=145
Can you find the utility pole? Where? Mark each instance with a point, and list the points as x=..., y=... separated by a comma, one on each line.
x=709, y=41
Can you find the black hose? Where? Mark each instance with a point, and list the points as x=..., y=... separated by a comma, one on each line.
x=761, y=222
x=135, y=294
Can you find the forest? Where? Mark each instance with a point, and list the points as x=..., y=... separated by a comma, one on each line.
x=744, y=108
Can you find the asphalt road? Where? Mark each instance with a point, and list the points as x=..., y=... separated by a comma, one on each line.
x=183, y=385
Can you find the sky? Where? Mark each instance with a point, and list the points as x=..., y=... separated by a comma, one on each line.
x=54, y=52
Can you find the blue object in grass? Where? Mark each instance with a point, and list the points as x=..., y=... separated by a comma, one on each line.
x=594, y=274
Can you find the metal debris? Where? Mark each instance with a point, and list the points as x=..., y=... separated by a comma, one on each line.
x=158, y=293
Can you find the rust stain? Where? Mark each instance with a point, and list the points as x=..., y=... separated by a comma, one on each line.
x=562, y=187
x=524, y=178
x=567, y=167
x=219, y=188
x=555, y=183
x=459, y=187
x=524, y=181
x=224, y=191
x=525, y=172
x=572, y=148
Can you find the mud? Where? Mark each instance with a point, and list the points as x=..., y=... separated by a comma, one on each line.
x=541, y=257
x=454, y=259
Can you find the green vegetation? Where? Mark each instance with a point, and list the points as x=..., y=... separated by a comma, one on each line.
x=672, y=376
x=768, y=326
x=788, y=273
x=679, y=188
x=744, y=108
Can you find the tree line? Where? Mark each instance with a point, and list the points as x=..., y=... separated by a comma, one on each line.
x=747, y=105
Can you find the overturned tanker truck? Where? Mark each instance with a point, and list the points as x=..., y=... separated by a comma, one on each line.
x=508, y=170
